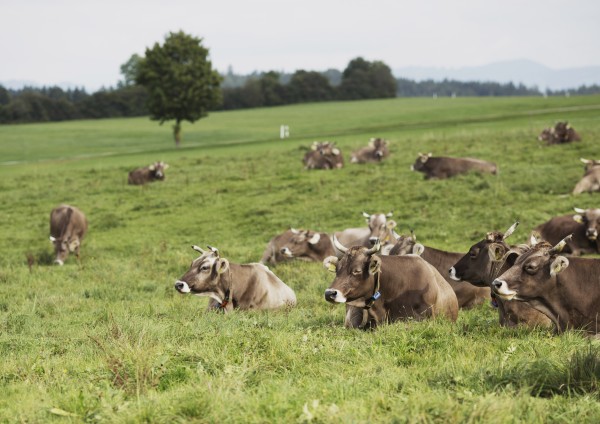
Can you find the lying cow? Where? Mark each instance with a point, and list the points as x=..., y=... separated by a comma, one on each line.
x=467, y=294
x=584, y=226
x=446, y=167
x=150, y=173
x=560, y=133
x=272, y=254
x=323, y=155
x=379, y=228
x=376, y=151
x=485, y=261
x=308, y=245
x=387, y=288
x=591, y=179
x=68, y=226
x=229, y=285
x=565, y=290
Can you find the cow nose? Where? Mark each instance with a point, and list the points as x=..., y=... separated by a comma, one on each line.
x=330, y=295
x=373, y=240
x=179, y=285
x=497, y=284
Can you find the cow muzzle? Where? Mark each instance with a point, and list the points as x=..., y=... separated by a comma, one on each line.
x=334, y=296
x=452, y=274
x=286, y=252
x=500, y=287
x=182, y=286
x=59, y=262
x=591, y=234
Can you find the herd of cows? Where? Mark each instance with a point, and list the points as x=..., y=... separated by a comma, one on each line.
x=382, y=276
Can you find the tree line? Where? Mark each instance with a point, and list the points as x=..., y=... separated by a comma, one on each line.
x=361, y=79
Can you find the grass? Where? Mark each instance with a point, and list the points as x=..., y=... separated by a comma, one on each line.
x=109, y=340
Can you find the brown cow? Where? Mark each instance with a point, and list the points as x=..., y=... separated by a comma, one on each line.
x=446, y=167
x=308, y=245
x=68, y=225
x=590, y=182
x=272, y=254
x=323, y=155
x=560, y=133
x=484, y=262
x=376, y=151
x=229, y=285
x=387, y=288
x=566, y=290
x=467, y=294
x=150, y=173
x=584, y=226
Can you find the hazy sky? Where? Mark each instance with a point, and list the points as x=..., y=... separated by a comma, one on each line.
x=85, y=42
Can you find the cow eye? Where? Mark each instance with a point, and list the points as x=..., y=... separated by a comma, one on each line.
x=473, y=253
x=204, y=267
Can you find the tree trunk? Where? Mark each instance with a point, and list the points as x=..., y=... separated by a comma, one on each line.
x=177, y=133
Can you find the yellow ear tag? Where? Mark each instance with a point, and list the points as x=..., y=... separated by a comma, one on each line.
x=331, y=267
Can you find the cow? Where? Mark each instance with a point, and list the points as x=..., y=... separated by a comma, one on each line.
x=590, y=182
x=447, y=167
x=584, y=226
x=565, y=290
x=147, y=174
x=234, y=286
x=387, y=288
x=483, y=263
x=272, y=254
x=68, y=226
x=376, y=151
x=323, y=155
x=467, y=294
x=560, y=133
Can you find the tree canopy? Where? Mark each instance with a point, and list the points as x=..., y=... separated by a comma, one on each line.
x=180, y=81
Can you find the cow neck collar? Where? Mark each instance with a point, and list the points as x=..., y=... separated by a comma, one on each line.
x=228, y=297
x=376, y=292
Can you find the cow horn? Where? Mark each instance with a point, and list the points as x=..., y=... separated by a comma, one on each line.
x=213, y=249
x=376, y=247
x=560, y=245
x=510, y=230
x=396, y=235
x=366, y=215
x=412, y=234
x=339, y=246
x=586, y=161
x=578, y=210
x=389, y=214
x=294, y=231
x=197, y=249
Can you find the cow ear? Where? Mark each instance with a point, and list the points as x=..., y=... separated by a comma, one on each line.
x=496, y=251
x=418, y=249
x=559, y=264
x=391, y=224
x=315, y=239
x=335, y=151
x=152, y=167
x=330, y=263
x=578, y=218
x=374, y=265
x=165, y=166
x=222, y=265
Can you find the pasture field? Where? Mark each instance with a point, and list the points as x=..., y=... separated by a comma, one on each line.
x=109, y=340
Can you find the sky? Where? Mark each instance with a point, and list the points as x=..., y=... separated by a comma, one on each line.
x=84, y=42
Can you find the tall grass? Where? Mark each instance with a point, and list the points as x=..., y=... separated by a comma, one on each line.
x=108, y=339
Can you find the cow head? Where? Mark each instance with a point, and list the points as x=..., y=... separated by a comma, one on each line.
x=204, y=276
x=483, y=259
x=533, y=274
x=379, y=146
x=420, y=162
x=158, y=170
x=303, y=244
x=589, y=164
x=381, y=228
x=64, y=245
x=353, y=274
x=406, y=245
x=590, y=218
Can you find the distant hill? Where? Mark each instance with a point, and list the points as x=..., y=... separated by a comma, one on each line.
x=523, y=71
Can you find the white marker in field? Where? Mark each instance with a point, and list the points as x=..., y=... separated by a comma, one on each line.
x=284, y=131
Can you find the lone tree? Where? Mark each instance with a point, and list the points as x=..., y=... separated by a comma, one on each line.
x=180, y=81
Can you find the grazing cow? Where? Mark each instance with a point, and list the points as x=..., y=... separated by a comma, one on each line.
x=150, y=173
x=376, y=151
x=68, y=225
x=229, y=285
x=323, y=155
x=560, y=133
x=467, y=294
x=566, y=290
x=445, y=167
x=485, y=261
x=591, y=179
x=584, y=226
x=387, y=288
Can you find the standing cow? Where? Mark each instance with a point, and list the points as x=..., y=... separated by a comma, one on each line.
x=376, y=151
x=387, y=288
x=446, y=167
x=229, y=285
x=584, y=226
x=68, y=225
x=323, y=155
x=485, y=261
x=590, y=182
x=154, y=172
x=565, y=290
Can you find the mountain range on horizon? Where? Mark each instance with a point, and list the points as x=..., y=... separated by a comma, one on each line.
x=522, y=71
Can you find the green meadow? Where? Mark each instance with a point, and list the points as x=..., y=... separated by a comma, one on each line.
x=107, y=339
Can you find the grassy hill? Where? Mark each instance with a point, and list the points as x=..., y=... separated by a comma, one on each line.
x=109, y=339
